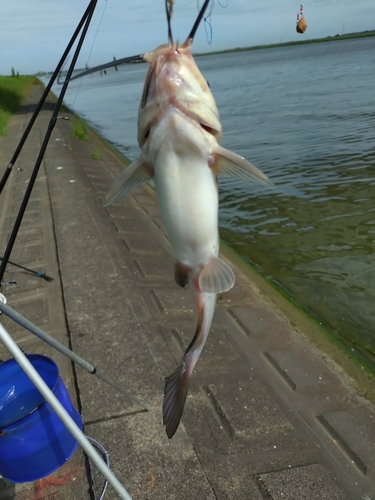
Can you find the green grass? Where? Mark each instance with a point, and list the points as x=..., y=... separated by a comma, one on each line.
x=80, y=131
x=96, y=154
x=13, y=90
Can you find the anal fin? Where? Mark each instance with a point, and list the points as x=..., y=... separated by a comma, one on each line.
x=216, y=276
x=133, y=176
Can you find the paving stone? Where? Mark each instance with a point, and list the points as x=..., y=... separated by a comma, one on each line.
x=120, y=210
x=67, y=483
x=31, y=253
x=33, y=206
x=35, y=194
x=27, y=221
x=36, y=310
x=142, y=244
x=126, y=226
x=172, y=301
x=23, y=236
x=247, y=410
x=310, y=482
x=154, y=270
x=143, y=199
x=298, y=368
x=217, y=350
x=147, y=463
x=255, y=319
x=352, y=429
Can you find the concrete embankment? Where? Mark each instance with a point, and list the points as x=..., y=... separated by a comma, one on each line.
x=267, y=415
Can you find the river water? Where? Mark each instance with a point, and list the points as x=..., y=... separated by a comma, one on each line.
x=305, y=115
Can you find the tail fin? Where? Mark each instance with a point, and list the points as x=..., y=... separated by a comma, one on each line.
x=175, y=392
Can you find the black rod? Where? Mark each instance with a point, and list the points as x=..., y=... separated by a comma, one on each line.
x=198, y=20
x=37, y=273
x=118, y=62
x=47, y=136
x=139, y=57
x=10, y=166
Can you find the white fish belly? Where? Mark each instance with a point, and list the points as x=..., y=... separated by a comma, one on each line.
x=188, y=200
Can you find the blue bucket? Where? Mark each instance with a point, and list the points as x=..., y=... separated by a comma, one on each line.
x=33, y=440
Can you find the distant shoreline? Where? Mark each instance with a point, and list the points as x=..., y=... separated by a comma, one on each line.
x=348, y=36
x=306, y=40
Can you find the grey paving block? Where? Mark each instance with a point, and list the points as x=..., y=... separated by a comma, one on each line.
x=147, y=463
x=120, y=210
x=247, y=410
x=298, y=368
x=352, y=428
x=310, y=482
x=172, y=301
x=160, y=270
x=143, y=199
x=255, y=319
x=34, y=309
x=29, y=235
x=217, y=351
x=132, y=226
x=32, y=207
x=27, y=220
x=35, y=195
x=68, y=483
x=141, y=244
x=31, y=253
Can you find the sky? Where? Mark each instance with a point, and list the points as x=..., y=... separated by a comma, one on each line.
x=34, y=33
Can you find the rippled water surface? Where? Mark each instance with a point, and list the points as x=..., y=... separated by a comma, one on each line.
x=305, y=115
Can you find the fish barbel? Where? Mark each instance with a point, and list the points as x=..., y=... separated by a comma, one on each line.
x=179, y=131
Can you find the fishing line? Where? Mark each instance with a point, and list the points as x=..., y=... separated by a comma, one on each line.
x=49, y=171
x=51, y=125
x=96, y=32
x=39, y=105
x=207, y=20
x=307, y=37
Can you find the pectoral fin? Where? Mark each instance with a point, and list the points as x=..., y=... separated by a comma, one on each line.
x=231, y=164
x=216, y=277
x=133, y=176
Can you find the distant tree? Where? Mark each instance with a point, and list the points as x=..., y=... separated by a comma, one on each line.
x=18, y=73
x=13, y=72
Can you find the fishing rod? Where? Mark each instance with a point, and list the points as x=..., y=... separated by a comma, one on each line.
x=139, y=57
x=41, y=334
x=198, y=20
x=43, y=148
x=13, y=160
x=118, y=62
x=37, y=273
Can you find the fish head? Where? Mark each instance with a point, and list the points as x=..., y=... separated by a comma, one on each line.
x=174, y=79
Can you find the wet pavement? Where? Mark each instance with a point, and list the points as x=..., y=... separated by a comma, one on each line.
x=267, y=415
